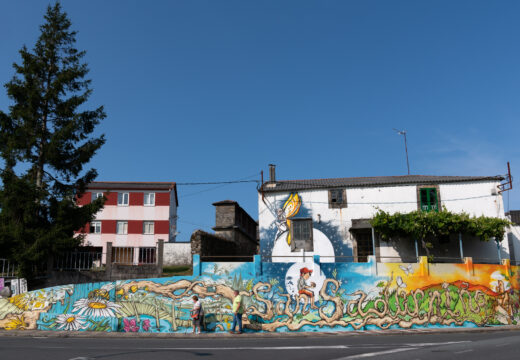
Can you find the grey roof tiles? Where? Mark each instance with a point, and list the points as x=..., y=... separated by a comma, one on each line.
x=291, y=185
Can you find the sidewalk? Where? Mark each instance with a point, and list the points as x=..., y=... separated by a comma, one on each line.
x=95, y=334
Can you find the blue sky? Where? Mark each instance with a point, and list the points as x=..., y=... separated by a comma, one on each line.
x=216, y=90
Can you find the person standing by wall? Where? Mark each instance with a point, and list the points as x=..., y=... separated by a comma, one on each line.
x=196, y=314
x=238, y=310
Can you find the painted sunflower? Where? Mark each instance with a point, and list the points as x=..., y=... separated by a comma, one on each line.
x=20, y=301
x=17, y=323
x=70, y=322
x=96, y=307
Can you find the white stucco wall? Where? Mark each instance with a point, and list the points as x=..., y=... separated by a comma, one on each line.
x=177, y=254
x=514, y=243
x=475, y=198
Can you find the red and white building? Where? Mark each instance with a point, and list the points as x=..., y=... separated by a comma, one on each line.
x=136, y=215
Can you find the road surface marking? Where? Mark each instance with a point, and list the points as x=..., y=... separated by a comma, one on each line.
x=409, y=347
x=463, y=351
x=436, y=344
x=318, y=347
x=365, y=355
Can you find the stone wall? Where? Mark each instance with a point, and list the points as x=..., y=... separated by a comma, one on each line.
x=216, y=248
x=108, y=272
x=117, y=272
x=235, y=224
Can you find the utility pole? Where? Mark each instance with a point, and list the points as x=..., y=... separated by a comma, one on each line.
x=403, y=132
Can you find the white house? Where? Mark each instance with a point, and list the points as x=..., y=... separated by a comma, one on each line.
x=330, y=217
x=514, y=236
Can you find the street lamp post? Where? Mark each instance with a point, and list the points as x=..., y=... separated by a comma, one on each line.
x=403, y=132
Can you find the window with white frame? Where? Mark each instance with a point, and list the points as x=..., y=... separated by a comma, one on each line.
x=122, y=227
x=95, y=227
x=148, y=227
x=122, y=198
x=96, y=195
x=149, y=199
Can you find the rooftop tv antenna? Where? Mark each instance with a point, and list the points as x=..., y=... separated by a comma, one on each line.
x=507, y=183
x=403, y=132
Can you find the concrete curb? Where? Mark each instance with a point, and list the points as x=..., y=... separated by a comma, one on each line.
x=120, y=335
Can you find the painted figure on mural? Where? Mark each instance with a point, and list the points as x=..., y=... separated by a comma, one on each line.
x=303, y=288
x=290, y=208
x=504, y=301
x=281, y=223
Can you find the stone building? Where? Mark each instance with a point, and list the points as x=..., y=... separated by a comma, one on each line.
x=235, y=237
x=235, y=224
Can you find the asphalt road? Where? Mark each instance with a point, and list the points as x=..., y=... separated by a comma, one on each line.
x=484, y=345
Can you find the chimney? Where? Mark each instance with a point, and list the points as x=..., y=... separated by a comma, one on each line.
x=272, y=173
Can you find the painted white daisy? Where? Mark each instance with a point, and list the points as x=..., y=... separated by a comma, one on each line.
x=96, y=307
x=60, y=292
x=71, y=322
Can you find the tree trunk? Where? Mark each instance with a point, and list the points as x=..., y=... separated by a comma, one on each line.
x=41, y=158
x=425, y=246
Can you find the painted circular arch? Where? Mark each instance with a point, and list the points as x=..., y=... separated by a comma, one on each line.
x=293, y=275
x=322, y=246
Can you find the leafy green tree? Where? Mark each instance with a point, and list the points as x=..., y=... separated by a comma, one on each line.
x=46, y=140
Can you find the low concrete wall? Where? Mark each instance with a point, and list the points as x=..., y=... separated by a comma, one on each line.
x=177, y=254
x=280, y=297
x=117, y=272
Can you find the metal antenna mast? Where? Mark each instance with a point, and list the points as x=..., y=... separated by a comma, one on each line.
x=403, y=132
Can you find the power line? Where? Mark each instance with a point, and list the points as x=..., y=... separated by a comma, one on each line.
x=192, y=223
x=219, y=182
x=389, y=202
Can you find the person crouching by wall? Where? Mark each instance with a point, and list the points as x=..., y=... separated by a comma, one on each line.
x=196, y=314
x=238, y=310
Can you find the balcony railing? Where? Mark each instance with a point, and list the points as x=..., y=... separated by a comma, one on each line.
x=7, y=269
x=79, y=260
x=134, y=255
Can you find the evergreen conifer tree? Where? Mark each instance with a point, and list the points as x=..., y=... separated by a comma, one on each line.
x=46, y=140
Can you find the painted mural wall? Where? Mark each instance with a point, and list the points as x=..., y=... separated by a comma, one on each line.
x=281, y=297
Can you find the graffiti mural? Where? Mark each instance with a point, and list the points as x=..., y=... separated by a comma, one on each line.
x=276, y=241
x=281, y=297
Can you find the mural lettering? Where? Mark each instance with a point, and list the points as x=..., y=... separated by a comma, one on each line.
x=283, y=297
